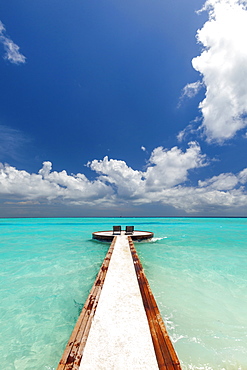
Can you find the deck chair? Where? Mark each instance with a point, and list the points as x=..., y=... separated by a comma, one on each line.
x=129, y=230
x=116, y=230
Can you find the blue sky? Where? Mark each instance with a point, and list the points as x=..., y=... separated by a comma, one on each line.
x=123, y=108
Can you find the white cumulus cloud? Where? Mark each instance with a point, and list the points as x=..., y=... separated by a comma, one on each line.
x=128, y=182
x=12, y=51
x=223, y=66
x=170, y=167
x=225, y=181
x=50, y=186
x=164, y=181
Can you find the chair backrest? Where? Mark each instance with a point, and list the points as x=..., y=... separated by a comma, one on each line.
x=129, y=229
x=116, y=229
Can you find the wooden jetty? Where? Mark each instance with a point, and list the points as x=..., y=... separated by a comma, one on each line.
x=120, y=326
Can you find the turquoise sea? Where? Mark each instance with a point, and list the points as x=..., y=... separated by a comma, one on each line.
x=195, y=266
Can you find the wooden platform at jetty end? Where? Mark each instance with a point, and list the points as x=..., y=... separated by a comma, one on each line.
x=120, y=326
x=109, y=235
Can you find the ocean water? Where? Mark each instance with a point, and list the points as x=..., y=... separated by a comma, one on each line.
x=196, y=268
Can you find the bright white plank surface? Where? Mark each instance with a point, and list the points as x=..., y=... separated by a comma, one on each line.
x=119, y=337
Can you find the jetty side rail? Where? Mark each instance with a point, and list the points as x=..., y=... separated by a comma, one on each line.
x=74, y=350
x=165, y=353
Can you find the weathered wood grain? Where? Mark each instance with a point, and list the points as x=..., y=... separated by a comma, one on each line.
x=166, y=356
x=74, y=350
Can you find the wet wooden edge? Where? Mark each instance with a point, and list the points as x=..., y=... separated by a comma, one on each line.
x=165, y=353
x=74, y=350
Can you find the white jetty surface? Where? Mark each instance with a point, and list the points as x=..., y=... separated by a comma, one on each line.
x=119, y=337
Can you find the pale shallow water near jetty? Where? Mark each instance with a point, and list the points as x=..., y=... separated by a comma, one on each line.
x=196, y=268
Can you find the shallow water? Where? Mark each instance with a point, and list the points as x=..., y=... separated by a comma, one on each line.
x=196, y=268
x=198, y=275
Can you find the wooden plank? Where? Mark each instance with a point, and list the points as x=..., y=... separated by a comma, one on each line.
x=73, y=352
x=166, y=356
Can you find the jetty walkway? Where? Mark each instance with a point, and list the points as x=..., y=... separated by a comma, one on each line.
x=120, y=326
